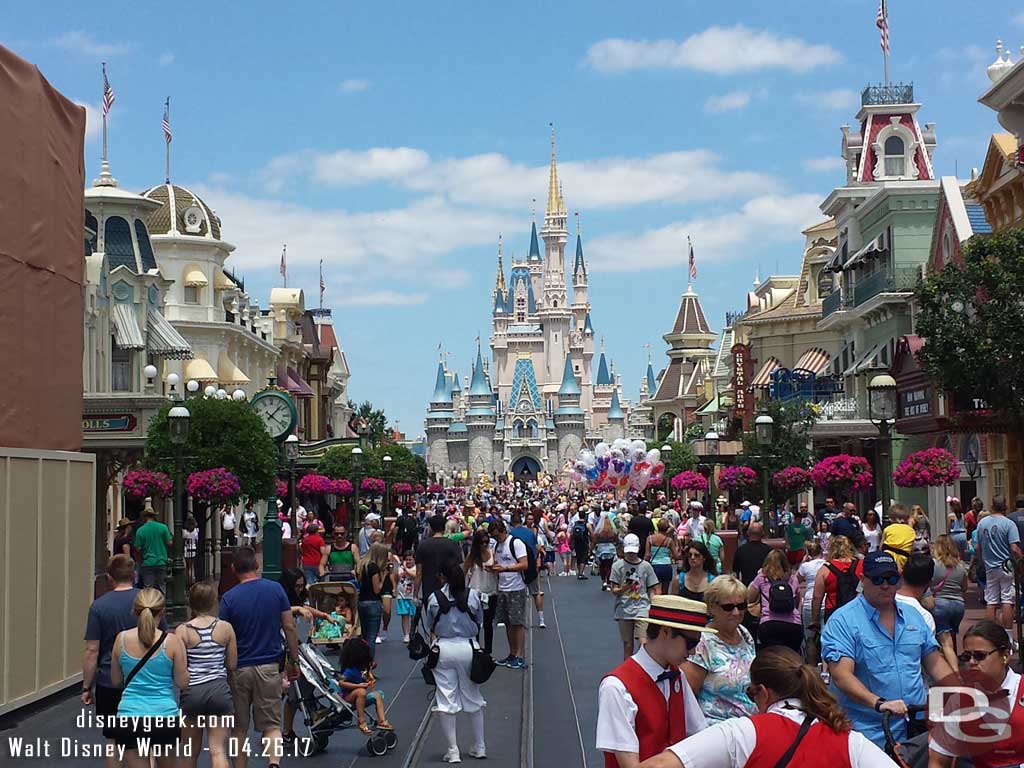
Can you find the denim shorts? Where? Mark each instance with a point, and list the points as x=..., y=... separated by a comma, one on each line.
x=948, y=614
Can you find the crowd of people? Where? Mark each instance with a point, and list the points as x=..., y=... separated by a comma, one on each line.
x=812, y=637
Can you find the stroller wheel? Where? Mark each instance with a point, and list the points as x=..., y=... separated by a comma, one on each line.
x=390, y=739
x=311, y=745
x=376, y=745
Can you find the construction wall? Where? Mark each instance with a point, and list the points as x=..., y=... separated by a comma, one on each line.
x=47, y=500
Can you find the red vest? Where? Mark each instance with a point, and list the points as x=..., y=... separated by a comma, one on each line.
x=1010, y=750
x=659, y=724
x=820, y=747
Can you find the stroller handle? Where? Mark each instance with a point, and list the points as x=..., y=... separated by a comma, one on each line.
x=912, y=709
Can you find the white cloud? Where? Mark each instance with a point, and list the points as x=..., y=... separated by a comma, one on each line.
x=494, y=180
x=78, y=41
x=822, y=164
x=837, y=98
x=354, y=85
x=380, y=299
x=166, y=59
x=721, y=50
x=93, y=121
x=764, y=219
x=727, y=102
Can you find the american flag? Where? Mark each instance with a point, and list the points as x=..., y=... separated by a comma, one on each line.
x=167, y=120
x=108, y=93
x=284, y=262
x=693, y=261
x=882, y=22
x=323, y=285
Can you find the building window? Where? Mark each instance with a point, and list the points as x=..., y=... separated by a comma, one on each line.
x=895, y=161
x=191, y=294
x=998, y=481
x=947, y=248
x=120, y=369
x=117, y=244
x=826, y=283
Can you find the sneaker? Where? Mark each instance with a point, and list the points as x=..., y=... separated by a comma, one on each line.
x=382, y=636
x=452, y=755
x=501, y=624
x=542, y=625
x=379, y=641
x=479, y=753
x=516, y=663
x=405, y=639
x=506, y=662
x=288, y=738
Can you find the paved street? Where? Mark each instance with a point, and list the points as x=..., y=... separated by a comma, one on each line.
x=544, y=716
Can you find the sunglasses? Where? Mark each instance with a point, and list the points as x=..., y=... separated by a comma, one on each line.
x=730, y=607
x=691, y=642
x=892, y=580
x=695, y=553
x=978, y=656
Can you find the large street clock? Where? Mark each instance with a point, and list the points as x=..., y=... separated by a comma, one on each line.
x=277, y=410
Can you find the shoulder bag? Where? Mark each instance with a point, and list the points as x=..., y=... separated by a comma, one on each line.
x=805, y=726
x=146, y=657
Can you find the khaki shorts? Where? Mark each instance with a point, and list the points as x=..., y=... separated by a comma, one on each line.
x=632, y=629
x=259, y=689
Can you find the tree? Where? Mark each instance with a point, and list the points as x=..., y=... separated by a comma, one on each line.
x=376, y=423
x=972, y=315
x=338, y=462
x=679, y=459
x=790, y=446
x=222, y=433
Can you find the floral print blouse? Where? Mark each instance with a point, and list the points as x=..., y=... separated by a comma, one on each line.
x=723, y=694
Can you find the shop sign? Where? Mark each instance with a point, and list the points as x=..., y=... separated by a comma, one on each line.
x=121, y=422
x=966, y=403
x=916, y=402
x=742, y=373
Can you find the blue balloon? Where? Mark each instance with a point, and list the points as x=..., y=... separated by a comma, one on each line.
x=602, y=463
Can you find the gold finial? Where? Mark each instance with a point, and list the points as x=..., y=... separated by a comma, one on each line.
x=554, y=193
x=499, y=285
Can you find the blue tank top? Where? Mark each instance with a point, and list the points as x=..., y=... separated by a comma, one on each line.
x=958, y=525
x=151, y=691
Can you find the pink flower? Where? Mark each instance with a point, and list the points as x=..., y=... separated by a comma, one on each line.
x=216, y=486
x=932, y=466
x=792, y=479
x=140, y=483
x=689, y=481
x=737, y=478
x=843, y=470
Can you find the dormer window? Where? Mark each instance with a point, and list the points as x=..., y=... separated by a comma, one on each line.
x=826, y=283
x=895, y=160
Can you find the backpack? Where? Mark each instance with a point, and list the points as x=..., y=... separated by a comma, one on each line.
x=443, y=606
x=530, y=574
x=580, y=535
x=846, y=583
x=780, y=597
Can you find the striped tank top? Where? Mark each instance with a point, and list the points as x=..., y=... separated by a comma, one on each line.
x=206, y=659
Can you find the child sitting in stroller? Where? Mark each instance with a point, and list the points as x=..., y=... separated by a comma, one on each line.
x=335, y=623
x=358, y=685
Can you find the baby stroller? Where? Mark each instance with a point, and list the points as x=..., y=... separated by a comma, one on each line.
x=321, y=699
x=338, y=596
x=913, y=752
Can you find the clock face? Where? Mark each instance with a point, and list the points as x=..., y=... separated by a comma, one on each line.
x=276, y=413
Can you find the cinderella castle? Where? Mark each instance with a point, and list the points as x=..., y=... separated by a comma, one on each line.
x=539, y=401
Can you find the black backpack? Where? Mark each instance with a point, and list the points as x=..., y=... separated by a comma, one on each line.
x=846, y=583
x=580, y=534
x=530, y=574
x=780, y=597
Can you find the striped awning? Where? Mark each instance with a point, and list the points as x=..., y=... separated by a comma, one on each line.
x=126, y=329
x=868, y=360
x=228, y=372
x=164, y=339
x=815, y=360
x=764, y=376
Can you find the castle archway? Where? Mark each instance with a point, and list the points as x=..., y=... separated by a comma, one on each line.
x=525, y=468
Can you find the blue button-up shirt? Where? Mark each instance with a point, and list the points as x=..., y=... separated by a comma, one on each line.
x=887, y=666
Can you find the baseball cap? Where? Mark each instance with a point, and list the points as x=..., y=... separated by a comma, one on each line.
x=745, y=504
x=880, y=564
x=631, y=543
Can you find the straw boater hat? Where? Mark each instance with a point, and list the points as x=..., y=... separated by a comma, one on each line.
x=679, y=613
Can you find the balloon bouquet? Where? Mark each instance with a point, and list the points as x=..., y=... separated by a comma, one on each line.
x=621, y=467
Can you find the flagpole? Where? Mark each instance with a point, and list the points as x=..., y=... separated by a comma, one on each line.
x=104, y=158
x=167, y=147
x=321, y=283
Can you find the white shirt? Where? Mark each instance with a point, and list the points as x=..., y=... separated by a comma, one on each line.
x=616, y=715
x=695, y=526
x=1010, y=683
x=731, y=742
x=228, y=521
x=286, y=530
x=510, y=581
x=928, y=618
x=807, y=571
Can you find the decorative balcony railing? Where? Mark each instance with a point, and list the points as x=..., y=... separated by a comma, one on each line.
x=899, y=280
x=834, y=302
x=841, y=408
x=894, y=93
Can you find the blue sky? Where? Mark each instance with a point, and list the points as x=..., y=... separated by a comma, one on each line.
x=396, y=141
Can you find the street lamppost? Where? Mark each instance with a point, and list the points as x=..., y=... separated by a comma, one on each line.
x=192, y=387
x=666, y=449
x=711, y=449
x=177, y=429
x=387, y=486
x=357, y=459
x=291, y=453
x=882, y=412
x=764, y=434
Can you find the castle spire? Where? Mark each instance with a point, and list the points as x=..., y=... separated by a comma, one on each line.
x=499, y=283
x=479, y=386
x=555, y=204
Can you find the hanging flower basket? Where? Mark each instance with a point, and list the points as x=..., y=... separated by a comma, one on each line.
x=140, y=483
x=791, y=480
x=420, y=488
x=402, y=488
x=435, y=488
x=689, y=481
x=843, y=471
x=933, y=466
x=215, y=486
x=737, y=478
x=281, y=488
x=371, y=485
x=314, y=485
x=341, y=487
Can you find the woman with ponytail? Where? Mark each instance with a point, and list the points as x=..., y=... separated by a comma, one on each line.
x=798, y=723
x=149, y=663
